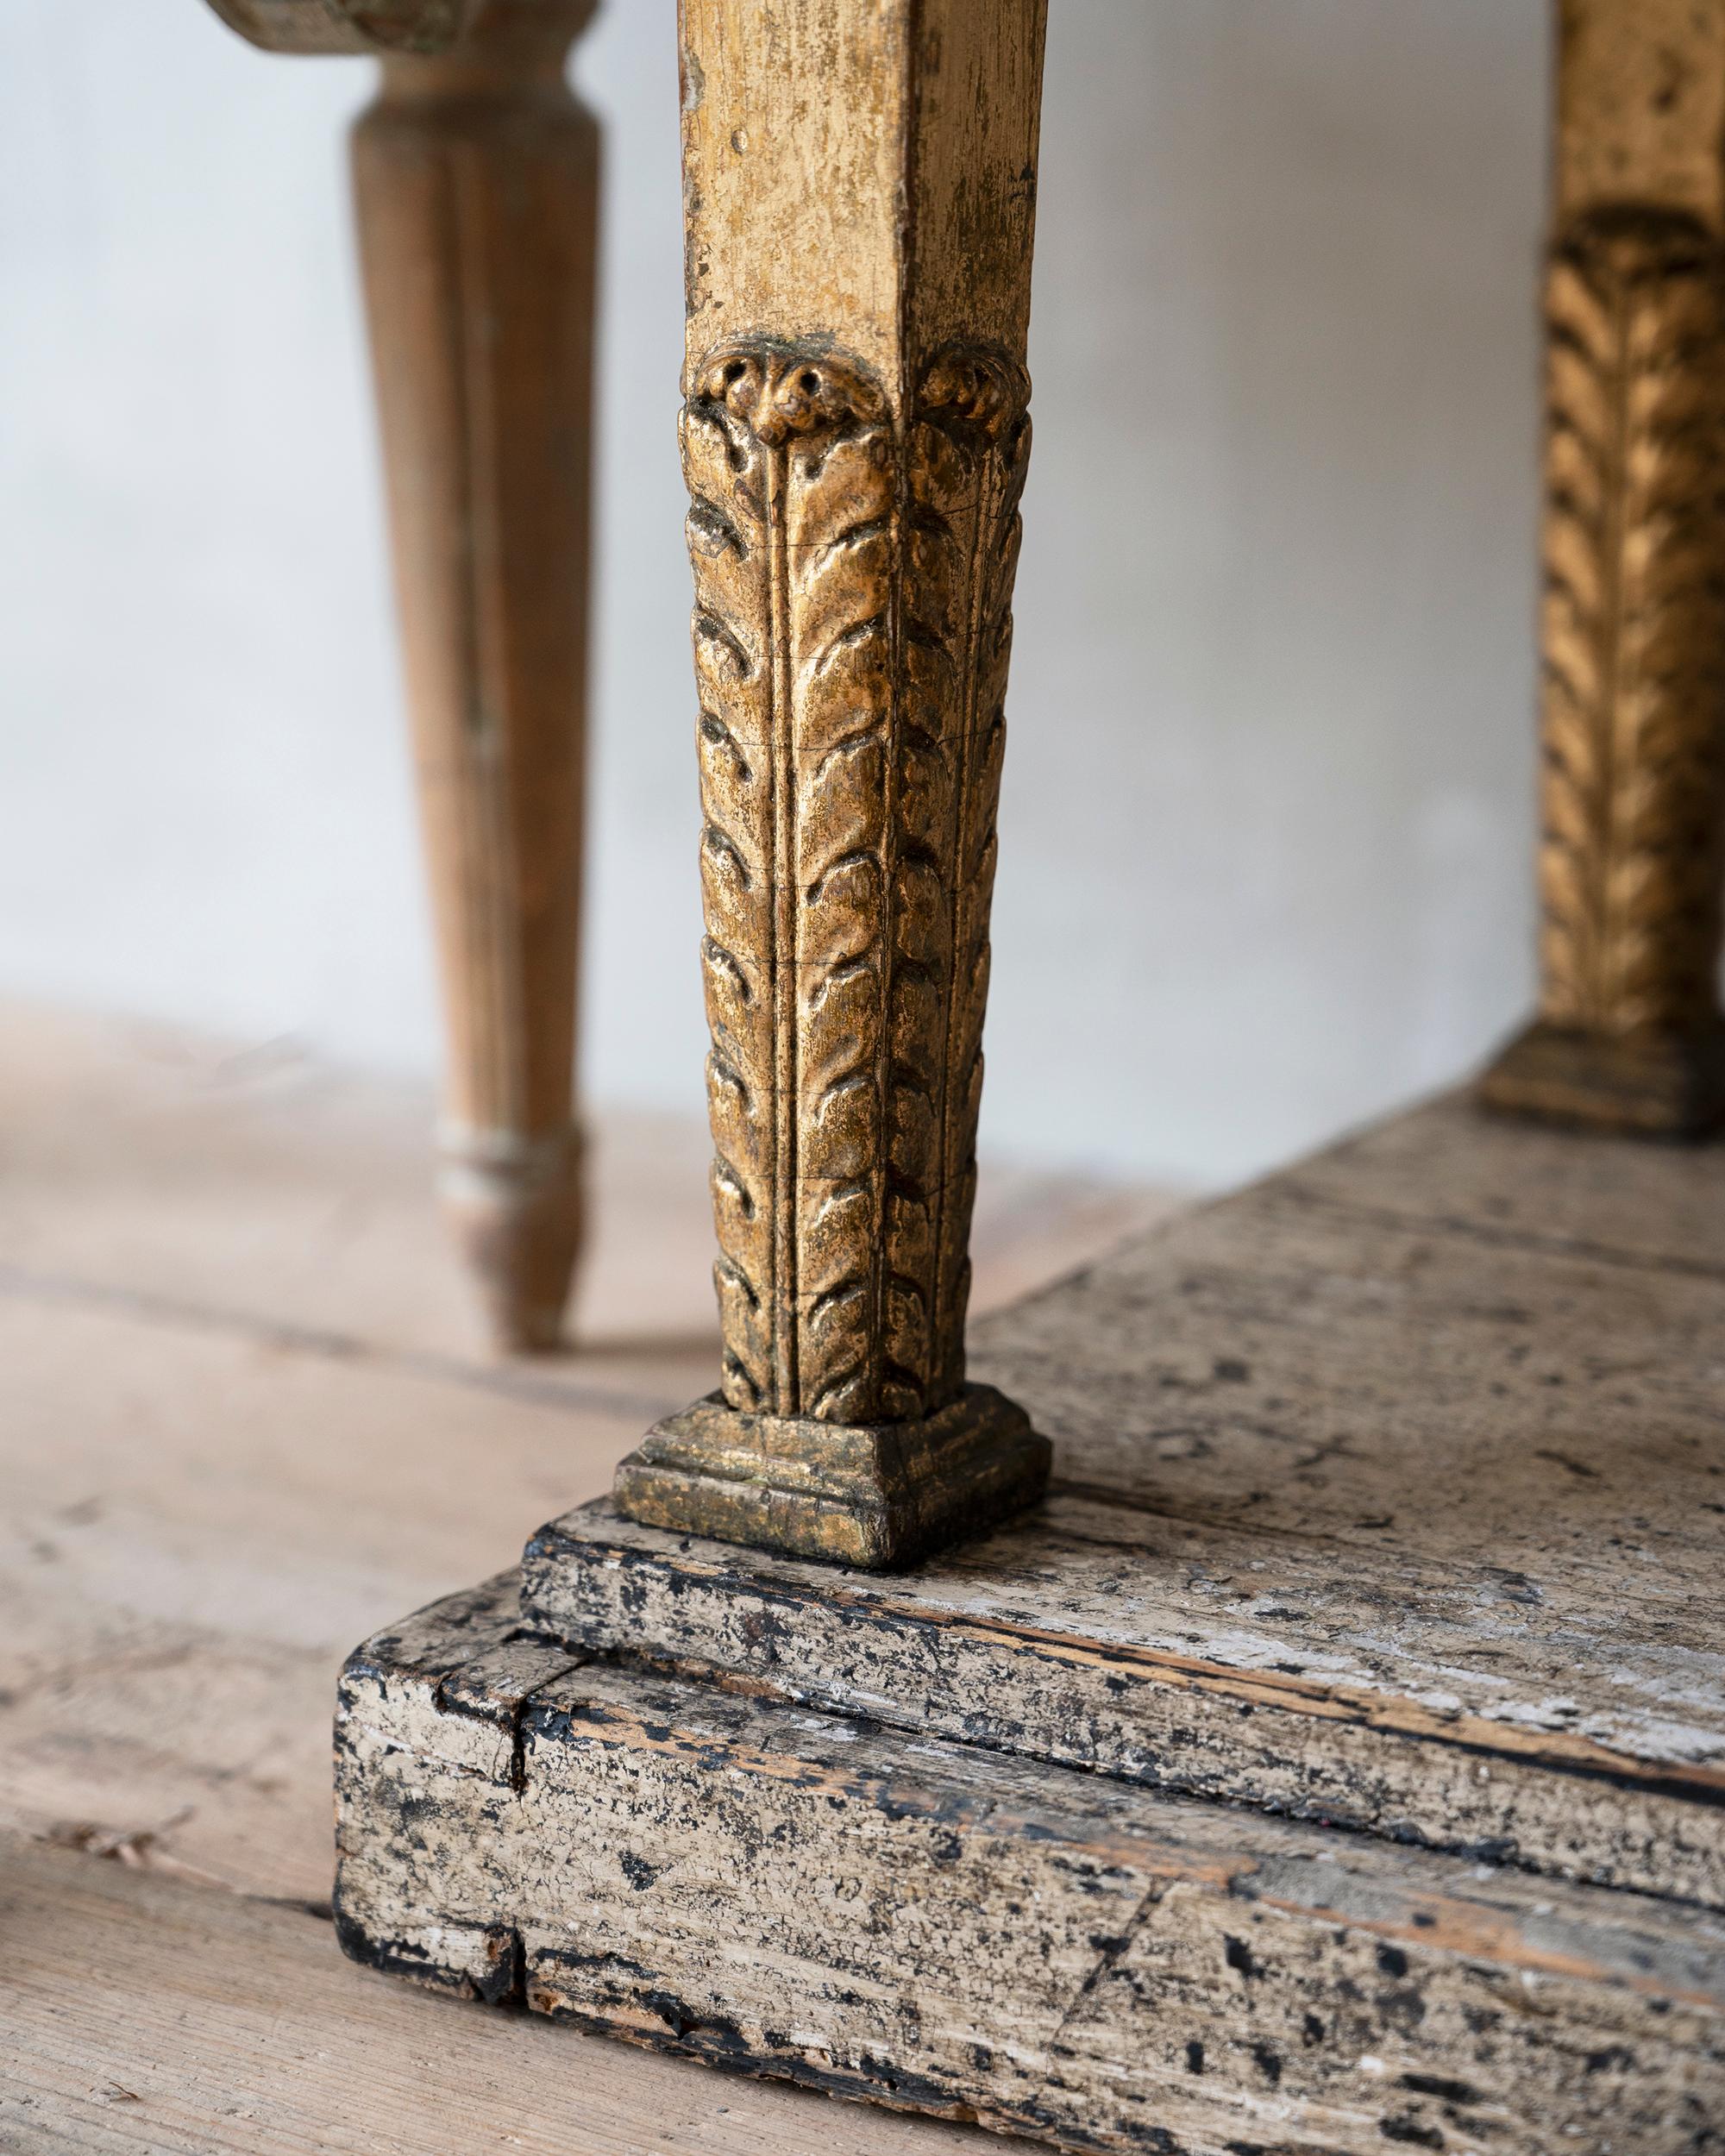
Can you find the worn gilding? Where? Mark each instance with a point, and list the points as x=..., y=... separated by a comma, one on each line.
x=1632, y=857
x=855, y=451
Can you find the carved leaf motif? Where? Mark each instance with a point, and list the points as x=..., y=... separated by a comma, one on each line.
x=840, y=562
x=852, y=627
x=1634, y=794
x=970, y=476
x=725, y=467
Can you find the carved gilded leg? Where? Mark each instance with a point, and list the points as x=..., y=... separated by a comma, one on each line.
x=855, y=439
x=476, y=178
x=1633, y=847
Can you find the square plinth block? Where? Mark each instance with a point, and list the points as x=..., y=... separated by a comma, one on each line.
x=1663, y=1085
x=877, y=1495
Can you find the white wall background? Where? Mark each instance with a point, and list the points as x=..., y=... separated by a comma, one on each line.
x=1265, y=839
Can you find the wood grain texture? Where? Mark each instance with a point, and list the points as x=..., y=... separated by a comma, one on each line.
x=476, y=190
x=144, y=2016
x=1390, y=1493
x=232, y=1446
x=1389, y=1496
x=476, y=180
x=938, y=1926
x=1632, y=849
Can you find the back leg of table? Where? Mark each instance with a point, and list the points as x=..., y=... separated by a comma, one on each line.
x=476, y=184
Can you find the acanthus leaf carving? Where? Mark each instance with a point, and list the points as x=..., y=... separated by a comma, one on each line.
x=1634, y=725
x=852, y=629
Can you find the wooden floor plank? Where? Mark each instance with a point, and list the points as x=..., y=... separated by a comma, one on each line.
x=249, y=1417
x=261, y=1188
x=198, y=1528
x=145, y=2015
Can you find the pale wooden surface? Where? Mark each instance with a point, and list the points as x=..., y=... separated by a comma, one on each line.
x=944, y=1926
x=1390, y=1492
x=247, y=1420
x=476, y=197
x=142, y=2016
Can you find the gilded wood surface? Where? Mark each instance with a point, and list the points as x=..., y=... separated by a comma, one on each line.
x=859, y=188
x=863, y=176
x=859, y=191
x=1640, y=105
x=852, y=629
x=1633, y=793
x=1635, y=624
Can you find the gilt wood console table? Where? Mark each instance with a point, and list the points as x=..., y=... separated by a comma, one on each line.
x=1270, y=1699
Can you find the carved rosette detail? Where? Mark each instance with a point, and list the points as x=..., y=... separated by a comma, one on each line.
x=1633, y=723
x=852, y=631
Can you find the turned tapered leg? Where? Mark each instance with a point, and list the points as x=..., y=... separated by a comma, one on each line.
x=476, y=183
x=860, y=186
x=1633, y=789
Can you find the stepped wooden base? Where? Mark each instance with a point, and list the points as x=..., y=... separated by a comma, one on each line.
x=1389, y=1497
x=943, y=1927
x=1664, y=1085
x=1061, y=1641
x=878, y=1496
